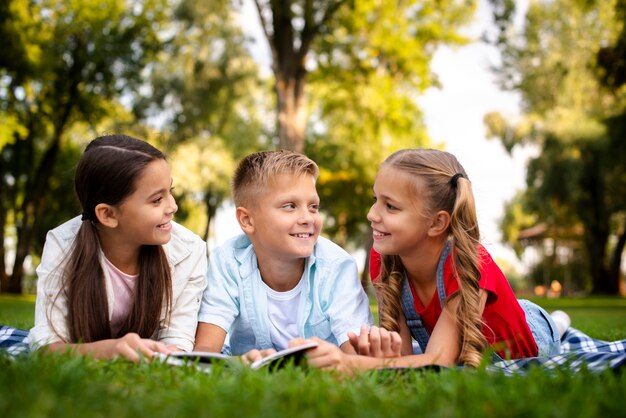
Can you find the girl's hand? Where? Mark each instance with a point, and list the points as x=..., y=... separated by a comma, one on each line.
x=255, y=355
x=378, y=342
x=132, y=347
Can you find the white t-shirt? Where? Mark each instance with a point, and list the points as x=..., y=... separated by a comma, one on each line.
x=282, y=310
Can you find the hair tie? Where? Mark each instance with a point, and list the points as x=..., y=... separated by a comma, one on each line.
x=455, y=179
x=86, y=216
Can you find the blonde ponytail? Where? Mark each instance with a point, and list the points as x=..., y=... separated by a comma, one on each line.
x=444, y=185
x=465, y=237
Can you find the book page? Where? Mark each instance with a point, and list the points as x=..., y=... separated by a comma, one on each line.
x=295, y=354
x=202, y=359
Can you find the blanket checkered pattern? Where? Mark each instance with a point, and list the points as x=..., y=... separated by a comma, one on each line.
x=14, y=341
x=578, y=351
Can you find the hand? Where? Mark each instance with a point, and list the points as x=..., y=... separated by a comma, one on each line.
x=325, y=355
x=255, y=355
x=377, y=342
x=133, y=347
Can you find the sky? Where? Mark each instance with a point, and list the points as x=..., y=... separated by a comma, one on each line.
x=454, y=116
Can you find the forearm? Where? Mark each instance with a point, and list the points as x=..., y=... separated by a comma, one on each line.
x=103, y=349
x=359, y=362
x=209, y=337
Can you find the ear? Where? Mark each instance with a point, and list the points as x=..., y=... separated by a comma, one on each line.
x=440, y=223
x=245, y=219
x=107, y=215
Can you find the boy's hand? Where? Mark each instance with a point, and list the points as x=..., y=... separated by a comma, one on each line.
x=326, y=355
x=255, y=355
x=377, y=342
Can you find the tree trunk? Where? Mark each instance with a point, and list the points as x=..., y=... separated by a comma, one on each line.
x=32, y=210
x=290, y=47
x=616, y=261
x=365, y=274
x=211, y=202
x=595, y=218
x=292, y=111
x=4, y=277
x=597, y=269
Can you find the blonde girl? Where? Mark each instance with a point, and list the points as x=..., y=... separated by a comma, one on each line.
x=437, y=284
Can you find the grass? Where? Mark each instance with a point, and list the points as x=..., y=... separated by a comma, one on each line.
x=65, y=386
x=17, y=311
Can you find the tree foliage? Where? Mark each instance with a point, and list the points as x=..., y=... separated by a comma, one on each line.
x=65, y=63
x=347, y=76
x=207, y=98
x=578, y=177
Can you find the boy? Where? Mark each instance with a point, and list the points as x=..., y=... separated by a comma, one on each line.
x=279, y=280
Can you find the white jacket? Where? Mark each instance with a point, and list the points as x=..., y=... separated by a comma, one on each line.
x=187, y=255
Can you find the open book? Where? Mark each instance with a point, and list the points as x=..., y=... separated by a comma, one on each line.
x=204, y=360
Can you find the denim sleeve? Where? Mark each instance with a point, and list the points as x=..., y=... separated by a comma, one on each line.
x=220, y=301
x=348, y=306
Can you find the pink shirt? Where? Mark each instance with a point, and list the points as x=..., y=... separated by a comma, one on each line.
x=123, y=286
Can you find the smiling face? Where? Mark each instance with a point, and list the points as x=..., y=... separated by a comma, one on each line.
x=399, y=217
x=144, y=217
x=284, y=222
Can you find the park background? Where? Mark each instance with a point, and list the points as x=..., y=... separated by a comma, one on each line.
x=347, y=82
x=528, y=95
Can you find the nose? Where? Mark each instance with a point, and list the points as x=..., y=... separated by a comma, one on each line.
x=172, y=206
x=306, y=216
x=372, y=214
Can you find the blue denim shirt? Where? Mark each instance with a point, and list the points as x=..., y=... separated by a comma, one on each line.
x=235, y=300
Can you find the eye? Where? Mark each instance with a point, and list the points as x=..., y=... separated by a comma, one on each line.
x=314, y=207
x=390, y=206
x=157, y=200
x=289, y=206
x=375, y=199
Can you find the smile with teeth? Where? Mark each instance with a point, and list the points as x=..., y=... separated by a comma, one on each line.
x=165, y=225
x=378, y=234
x=304, y=235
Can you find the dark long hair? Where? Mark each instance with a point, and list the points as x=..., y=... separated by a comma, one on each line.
x=107, y=173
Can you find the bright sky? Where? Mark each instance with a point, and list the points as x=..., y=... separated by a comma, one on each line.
x=454, y=116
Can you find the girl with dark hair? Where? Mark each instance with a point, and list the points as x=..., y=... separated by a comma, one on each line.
x=122, y=279
x=436, y=283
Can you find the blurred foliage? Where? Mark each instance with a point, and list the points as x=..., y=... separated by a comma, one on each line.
x=578, y=178
x=65, y=63
x=180, y=74
x=367, y=70
x=206, y=96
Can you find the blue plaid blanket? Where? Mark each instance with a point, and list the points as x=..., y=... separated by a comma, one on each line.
x=578, y=351
x=14, y=341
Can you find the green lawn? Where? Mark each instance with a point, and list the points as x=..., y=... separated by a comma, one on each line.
x=65, y=386
x=17, y=311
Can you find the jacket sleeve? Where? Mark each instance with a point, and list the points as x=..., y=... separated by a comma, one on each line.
x=348, y=306
x=188, y=283
x=51, y=304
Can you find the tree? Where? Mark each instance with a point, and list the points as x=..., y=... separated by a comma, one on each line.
x=359, y=37
x=578, y=177
x=206, y=96
x=65, y=63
